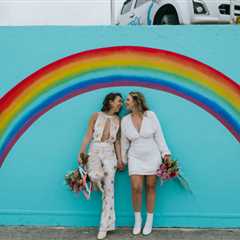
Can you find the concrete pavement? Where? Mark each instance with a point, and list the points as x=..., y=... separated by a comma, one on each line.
x=67, y=233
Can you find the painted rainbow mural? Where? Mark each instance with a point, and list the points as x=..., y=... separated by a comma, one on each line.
x=113, y=67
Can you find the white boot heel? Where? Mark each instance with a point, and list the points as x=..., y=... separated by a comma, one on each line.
x=138, y=224
x=147, y=230
x=101, y=235
x=137, y=230
x=148, y=225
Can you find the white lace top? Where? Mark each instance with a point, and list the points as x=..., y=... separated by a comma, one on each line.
x=101, y=125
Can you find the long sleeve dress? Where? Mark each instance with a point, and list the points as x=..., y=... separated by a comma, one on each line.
x=143, y=150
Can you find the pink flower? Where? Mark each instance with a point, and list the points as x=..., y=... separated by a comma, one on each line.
x=165, y=175
x=162, y=166
x=76, y=173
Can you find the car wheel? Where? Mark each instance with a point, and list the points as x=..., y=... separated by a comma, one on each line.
x=170, y=19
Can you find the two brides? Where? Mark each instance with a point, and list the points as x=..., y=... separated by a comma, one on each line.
x=136, y=140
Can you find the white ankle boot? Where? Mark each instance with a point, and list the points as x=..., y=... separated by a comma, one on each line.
x=138, y=223
x=101, y=235
x=148, y=225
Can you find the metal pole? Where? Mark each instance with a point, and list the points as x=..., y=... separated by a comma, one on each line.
x=112, y=2
x=232, y=11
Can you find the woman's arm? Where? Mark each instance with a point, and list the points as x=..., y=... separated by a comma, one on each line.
x=89, y=134
x=125, y=143
x=159, y=138
x=117, y=145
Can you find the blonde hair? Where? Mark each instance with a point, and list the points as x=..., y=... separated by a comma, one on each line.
x=140, y=101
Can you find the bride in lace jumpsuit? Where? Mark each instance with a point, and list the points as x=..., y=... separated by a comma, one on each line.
x=105, y=156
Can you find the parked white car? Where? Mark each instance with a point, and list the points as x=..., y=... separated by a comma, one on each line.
x=157, y=12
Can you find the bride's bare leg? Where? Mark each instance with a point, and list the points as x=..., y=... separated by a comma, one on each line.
x=151, y=193
x=137, y=185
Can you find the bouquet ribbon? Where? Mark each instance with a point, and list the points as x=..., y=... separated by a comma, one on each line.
x=87, y=188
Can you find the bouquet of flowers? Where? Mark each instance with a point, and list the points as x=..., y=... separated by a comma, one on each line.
x=78, y=179
x=168, y=170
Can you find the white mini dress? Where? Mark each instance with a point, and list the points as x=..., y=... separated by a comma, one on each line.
x=143, y=150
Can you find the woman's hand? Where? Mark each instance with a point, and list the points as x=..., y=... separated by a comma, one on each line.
x=167, y=158
x=120, y=166
x=79, y=157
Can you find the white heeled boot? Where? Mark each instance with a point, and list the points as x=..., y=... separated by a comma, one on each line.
x=148, y=225
x=138, y=223
x=101, y=235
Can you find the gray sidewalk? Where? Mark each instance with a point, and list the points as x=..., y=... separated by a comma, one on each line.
x=60, y=233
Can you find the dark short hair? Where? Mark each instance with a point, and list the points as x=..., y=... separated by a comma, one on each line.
x=106, y=102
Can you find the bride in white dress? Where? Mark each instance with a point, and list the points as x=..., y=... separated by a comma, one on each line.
x=143, y=148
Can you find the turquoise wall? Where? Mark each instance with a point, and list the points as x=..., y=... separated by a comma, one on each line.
x=32, y=189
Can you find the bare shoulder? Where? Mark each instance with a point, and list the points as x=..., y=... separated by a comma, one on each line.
x=94, y=117
x=95, y=114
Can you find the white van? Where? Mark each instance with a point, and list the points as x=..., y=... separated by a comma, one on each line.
x=157, y=12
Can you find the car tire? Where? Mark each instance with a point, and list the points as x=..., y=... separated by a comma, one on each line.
x=170, y=19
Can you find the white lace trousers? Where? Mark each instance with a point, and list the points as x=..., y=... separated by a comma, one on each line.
x=102, y=166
